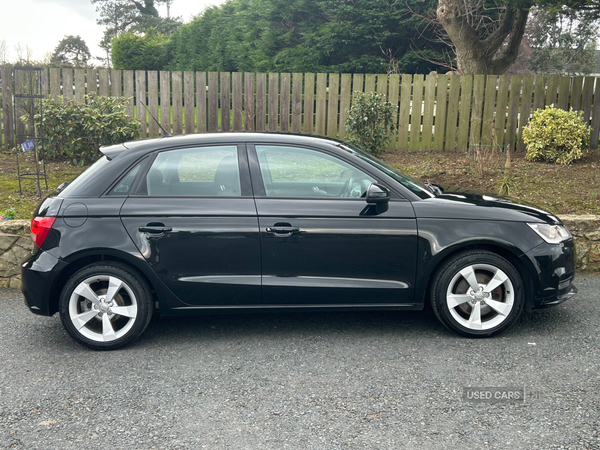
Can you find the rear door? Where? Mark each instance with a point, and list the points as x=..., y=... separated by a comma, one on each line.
x=321, y=243
x=194, y=220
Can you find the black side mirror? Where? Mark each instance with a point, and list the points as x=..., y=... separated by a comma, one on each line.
x=376, y=193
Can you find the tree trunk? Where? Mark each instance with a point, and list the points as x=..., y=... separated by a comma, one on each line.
x=490, y=56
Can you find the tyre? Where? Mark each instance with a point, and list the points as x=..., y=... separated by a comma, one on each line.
x=105, y=306
x=477, y=294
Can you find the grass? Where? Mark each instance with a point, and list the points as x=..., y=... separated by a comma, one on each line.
x=573, y=189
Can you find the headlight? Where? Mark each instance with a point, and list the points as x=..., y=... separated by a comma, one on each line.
x=552, y=234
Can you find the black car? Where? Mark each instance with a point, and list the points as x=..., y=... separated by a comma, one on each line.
x=268, y=222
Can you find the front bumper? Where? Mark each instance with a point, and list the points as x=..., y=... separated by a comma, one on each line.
x=38, y=275
x=555, y=270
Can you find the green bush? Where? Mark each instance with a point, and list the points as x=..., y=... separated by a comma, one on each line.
x=75, y=131
x=556, y=135
x=370, y=122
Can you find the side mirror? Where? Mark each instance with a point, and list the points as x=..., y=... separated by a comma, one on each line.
x=376, y=193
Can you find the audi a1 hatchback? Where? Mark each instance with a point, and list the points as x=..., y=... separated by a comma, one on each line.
x=267, y=222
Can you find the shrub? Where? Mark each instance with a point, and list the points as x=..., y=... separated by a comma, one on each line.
x=370, y=122
x=75, y=131
x=556, y=135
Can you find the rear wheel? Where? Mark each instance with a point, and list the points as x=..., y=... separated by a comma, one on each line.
x=105, y=306
x=477, y=294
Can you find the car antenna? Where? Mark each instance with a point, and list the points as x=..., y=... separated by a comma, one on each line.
x=165, y=132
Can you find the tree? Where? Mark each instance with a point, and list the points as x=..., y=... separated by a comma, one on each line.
x=71, y=51
x=562, y=42
x=134, y=52
x=120, y=16
x=308, y=36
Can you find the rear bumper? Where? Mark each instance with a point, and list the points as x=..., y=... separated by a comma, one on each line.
x=38, y=274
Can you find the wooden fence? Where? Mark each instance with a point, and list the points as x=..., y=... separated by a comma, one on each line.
x=435, y=112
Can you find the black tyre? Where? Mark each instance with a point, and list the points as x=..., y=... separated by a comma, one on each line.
x=477, y=294
x=105, y=306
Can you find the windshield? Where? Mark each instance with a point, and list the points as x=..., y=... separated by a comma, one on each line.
x=410, y=183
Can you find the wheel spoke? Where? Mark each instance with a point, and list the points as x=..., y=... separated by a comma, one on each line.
x=114, y=285
x=108, y=332
x=499, y=278
x=80, y=320
x=469, y=274
x=475, y=317
x=457, y=299
x=501, y=308
x=84, y=290
x=127, y=311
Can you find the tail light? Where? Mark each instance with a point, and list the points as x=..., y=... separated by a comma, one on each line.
x=40, y=226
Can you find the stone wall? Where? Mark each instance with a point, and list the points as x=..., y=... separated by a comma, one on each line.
x=16, y=245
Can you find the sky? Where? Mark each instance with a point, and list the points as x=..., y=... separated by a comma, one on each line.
x=42, y=24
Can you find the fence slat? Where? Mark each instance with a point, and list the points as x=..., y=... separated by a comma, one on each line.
x=309, y=102
x=428, y=112
x=575, y=102
x=55, y=92
x=284, y=103
x=393, y=95
x=165, y=100
x=564, y=88
x=551, y=91
x=464, y=113
x=177, y=103
x=595, y=119
x=213, y=102
x=526, y=104
x=236, y=89
x=477, y=113
x=440, y=113
x=404, y=115
x=140, y=94
x=153, y=102
x=370, y=82
x=201, y=115
x=358, y=80
x=7, y=106
x=296, y=102
x=80, y=88
x=539, y=93
x=321, y=105
x=127, y=91
x=188, y=102
x=513, y=112
x=333, y=105
x=115, y=83
x=45, y=83
x=248, y=101
x=452, y=113
x=225, y=102
x=489, y=104
x=415, y=117
x=273, y=100
x=382, y=85
x=103, y=82
x=588, y=93
x=67, y=74
x=500, y=118
x=261, y=96
x=91, y=81
x=345, y=100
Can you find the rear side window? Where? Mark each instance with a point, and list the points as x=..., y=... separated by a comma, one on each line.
x=71, y=189
x=205, y=171
x=124, y=186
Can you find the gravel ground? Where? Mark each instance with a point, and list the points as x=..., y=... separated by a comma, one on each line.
x=303, y=381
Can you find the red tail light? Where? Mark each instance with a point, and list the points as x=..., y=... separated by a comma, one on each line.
x=40, y=226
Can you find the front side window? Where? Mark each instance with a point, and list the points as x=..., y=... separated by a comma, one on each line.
x=301, y=172
x=205, y=171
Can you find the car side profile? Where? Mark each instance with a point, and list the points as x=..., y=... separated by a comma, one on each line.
x=271, y=222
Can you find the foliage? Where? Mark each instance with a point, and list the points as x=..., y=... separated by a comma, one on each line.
x=9, y=213
x=562, y=42
x=360, y=36
x=71, y=51
x=556, y=135
x=135, y=52
x=370, y=121
x=75, y=131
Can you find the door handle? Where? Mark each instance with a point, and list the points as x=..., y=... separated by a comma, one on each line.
x=155, y=229
x=283, y=230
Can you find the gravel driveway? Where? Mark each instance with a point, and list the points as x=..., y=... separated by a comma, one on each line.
x=304, y=381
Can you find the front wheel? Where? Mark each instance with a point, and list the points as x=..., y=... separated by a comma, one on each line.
x=477, y=294
x=105, y=306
